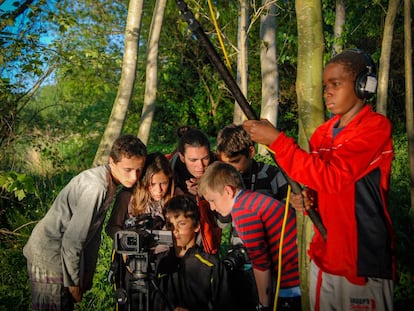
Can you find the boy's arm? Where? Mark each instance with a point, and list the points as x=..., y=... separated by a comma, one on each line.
x=118, y=214
x=85, y=208
x=264, y=286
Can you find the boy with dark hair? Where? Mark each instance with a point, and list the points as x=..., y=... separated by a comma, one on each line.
x=259, y=220
x=63, y=248
x=347, y=172
x=235, y=147
x=187, y=277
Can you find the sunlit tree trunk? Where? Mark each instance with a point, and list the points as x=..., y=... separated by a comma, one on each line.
x=126, y=85
x=242, y=58
x=384, y=67
x=151, y=72
x=268, y=63
x=311, y=108
x=409, y=109
x=339, y=26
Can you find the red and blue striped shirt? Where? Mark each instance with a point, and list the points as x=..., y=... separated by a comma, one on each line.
x=258, y=220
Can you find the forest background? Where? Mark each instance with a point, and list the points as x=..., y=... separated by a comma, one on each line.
x=60, y=69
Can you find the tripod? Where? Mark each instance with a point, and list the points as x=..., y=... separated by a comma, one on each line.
x=134, y=283
x=134, y=278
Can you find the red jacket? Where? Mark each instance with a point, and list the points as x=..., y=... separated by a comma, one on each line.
x=350, y=173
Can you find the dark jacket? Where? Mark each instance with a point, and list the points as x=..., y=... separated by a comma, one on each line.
x=197, y=281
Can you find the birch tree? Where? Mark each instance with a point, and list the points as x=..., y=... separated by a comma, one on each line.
x=339, y=26
x=268, y=63
x=151, y=72
x=384, y=67
x=242, y=57
x=311, y=108
x=409, y=109
x=126, y=85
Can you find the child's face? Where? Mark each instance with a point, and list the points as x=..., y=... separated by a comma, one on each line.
x=159, y=186
x=196, y=159
x=183, y=230
x=222, y=203
x=127, y=171
x=339, y=91
x=239, y=162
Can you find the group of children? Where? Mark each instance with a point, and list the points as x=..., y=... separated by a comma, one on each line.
x=217, y=203
x=166, y=182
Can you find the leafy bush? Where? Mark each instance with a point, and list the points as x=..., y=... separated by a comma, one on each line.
x=399, y=205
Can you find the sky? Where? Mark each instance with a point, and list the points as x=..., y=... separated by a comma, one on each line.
x=6, y=5
x=19, y=24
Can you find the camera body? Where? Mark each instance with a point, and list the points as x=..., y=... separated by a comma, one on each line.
x=236, y=258
x=140, y=236
x=130, y=242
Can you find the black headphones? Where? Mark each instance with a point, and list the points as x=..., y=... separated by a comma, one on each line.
x=366, y=81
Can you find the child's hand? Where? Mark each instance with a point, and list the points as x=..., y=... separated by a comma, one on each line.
x=304, y=200
x=76, y=293
x=192, y=185
x=296, y=200
x=261, y=131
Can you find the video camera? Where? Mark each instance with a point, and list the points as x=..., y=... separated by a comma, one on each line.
x=139, y=235
x=132, y=242
x=138, y=240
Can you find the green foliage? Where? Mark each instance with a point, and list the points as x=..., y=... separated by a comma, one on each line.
x=14, y=285
x=102, y=295
x=360, y=30
x=23, y=53
x=402, y=219
x=17, y=184
x=50, y=137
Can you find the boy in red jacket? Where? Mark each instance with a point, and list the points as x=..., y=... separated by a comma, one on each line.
x=347, y=174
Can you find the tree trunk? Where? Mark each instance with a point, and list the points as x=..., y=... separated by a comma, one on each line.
x=384, y=67
x=409, y=109
x=268, y=62
x=242, y=58
x=311, y=108
x=126, y=84
x=339, y=26
x=151, y=72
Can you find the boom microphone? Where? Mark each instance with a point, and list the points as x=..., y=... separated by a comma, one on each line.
x=234, y=88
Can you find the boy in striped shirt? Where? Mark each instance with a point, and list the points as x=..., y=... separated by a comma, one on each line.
x=259, y=220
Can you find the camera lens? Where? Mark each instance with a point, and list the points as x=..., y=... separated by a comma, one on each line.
x=235, y=259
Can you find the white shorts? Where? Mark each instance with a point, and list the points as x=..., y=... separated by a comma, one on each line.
x=333, y=292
